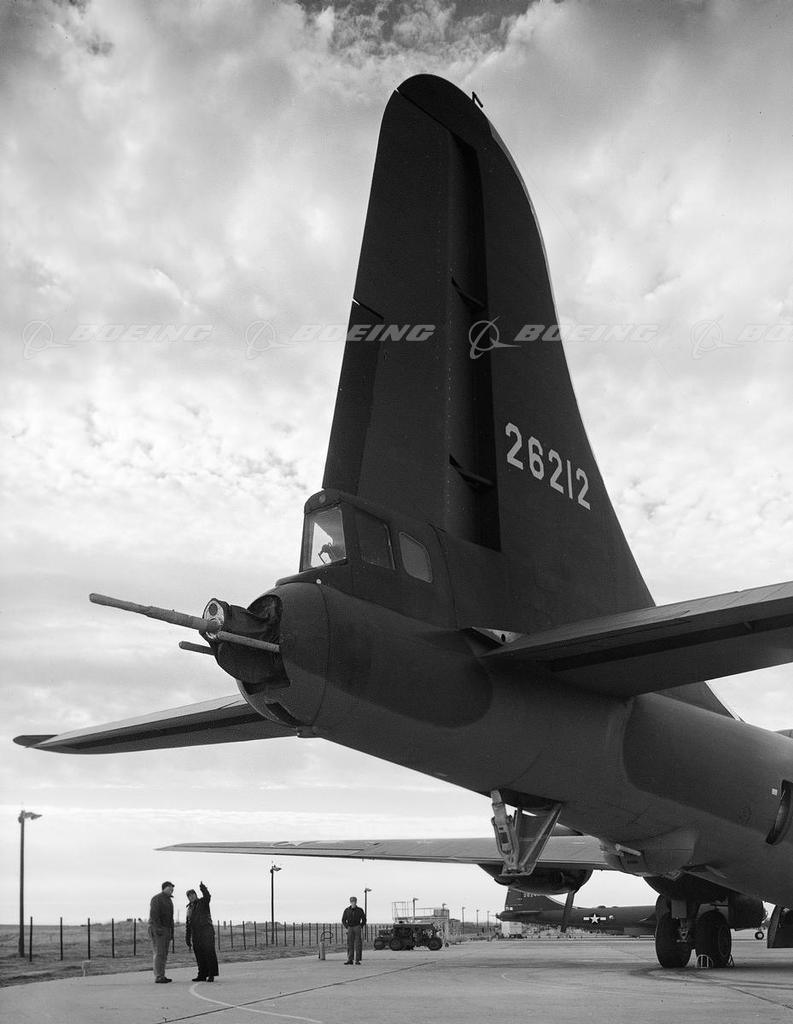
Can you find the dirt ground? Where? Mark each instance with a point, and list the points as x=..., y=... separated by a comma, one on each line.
x=46, y=964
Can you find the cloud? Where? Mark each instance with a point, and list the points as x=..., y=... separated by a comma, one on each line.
x=206, y=169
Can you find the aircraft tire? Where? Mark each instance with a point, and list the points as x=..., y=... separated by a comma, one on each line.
x=435, y=944
x=713, y=938
x=671, y=952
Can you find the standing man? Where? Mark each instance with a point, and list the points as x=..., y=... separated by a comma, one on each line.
x=353, y=920
x=161, y=929
x=200, y=933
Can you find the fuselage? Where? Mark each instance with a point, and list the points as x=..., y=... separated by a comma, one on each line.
x=611, y=920
x=666, y=785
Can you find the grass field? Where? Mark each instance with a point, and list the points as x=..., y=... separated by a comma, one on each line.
x=124, y=946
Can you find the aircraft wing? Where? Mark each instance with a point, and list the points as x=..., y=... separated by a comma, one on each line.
x=654, y=649
x=622, y=655
x=224, y=720
x=570, y=851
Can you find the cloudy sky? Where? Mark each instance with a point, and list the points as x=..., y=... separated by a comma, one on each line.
x=183, y=189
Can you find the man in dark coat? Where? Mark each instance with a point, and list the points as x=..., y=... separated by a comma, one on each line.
x=161, y=929
x=353, y=920
x=200, y=933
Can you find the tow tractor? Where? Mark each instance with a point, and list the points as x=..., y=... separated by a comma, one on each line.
x=411, y=928
x=408, y=936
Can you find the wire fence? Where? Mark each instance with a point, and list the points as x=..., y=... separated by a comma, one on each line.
x=129, y=938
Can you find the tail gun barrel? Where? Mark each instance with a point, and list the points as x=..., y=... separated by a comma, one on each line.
x=163, y=614
x=210, y=627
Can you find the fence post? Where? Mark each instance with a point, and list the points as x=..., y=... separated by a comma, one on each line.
x=271, y=936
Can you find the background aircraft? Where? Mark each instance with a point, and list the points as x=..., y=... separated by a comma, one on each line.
x=466, y=602
x=526, y=908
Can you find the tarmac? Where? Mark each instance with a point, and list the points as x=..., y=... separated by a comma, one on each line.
x=560, y=981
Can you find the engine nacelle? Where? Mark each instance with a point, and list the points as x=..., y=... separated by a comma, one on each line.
x=688, y=888
x=745, y=911
x=542, y=881
x=741, y=911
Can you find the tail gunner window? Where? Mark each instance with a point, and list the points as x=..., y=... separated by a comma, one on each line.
x=323, y=539
x=374, y=541
x=415, y=558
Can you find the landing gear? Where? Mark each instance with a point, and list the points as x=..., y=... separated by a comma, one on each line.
x=713, y=939
x=521, y=837
x=692, y=913
x=671, y=950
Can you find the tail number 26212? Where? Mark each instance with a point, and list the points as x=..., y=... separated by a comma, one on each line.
x=548, y=465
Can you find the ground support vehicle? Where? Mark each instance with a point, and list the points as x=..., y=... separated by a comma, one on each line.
x=408, y=936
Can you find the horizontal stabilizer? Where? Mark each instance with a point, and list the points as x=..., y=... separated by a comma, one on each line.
x=224, y=720
x=573, y=851
x=654, y=649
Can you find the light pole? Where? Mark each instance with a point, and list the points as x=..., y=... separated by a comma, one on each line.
x=462, y=923
x=21, y=820
x=365, y=902
x=477, y=919
x=273, y=870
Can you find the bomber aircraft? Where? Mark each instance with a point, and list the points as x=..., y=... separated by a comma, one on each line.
x=466, y=603
x=527, y=908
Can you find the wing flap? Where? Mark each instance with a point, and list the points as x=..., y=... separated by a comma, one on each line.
x=664, y=648
x=223, y=720
x=560, y=851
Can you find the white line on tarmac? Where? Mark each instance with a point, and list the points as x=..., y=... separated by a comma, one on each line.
x=251, y=1009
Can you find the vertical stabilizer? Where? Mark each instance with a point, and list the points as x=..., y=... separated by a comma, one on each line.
x=518, y=901
x=455, y=404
